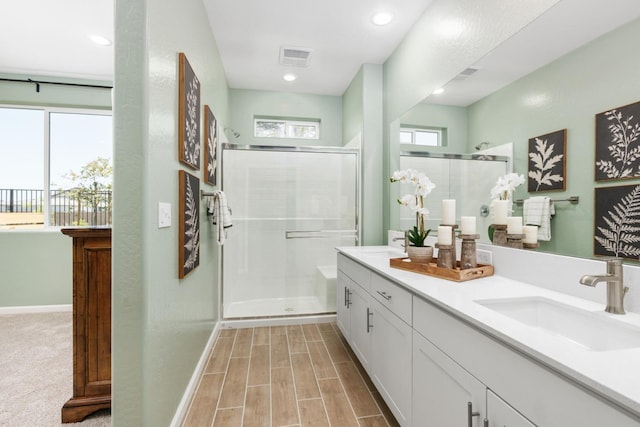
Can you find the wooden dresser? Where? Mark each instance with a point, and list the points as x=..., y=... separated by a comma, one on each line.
x=91, y=322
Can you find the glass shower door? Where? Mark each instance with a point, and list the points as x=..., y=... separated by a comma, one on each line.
x=291, y=208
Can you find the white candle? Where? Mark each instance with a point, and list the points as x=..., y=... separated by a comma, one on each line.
x=467, y=225
x=500, y=208
x=530, y=234
x=449, y=211
x=444, y=235
x=514, y=225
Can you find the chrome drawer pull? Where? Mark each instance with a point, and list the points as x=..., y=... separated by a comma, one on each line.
x=369, y=314
x=384, y=295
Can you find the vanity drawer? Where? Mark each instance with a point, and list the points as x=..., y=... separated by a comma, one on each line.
x=393, y=297
x=356, y=272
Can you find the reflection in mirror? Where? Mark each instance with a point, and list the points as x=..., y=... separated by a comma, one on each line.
x=466, y=178
x=551, y=82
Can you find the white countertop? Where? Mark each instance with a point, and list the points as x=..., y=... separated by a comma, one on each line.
x=613, y=374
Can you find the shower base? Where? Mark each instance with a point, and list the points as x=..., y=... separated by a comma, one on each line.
x=274, y=307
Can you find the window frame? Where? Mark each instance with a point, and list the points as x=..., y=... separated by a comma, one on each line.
x=47, y=111
x=416, y=129
x=288, y=123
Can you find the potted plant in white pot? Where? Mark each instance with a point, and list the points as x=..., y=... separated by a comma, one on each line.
x=417, y=250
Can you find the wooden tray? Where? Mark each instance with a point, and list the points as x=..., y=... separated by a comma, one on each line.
x=432, y=269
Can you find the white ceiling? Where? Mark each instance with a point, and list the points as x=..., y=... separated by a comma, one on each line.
x=249, y=34
x=51, y=37
x=44, y=37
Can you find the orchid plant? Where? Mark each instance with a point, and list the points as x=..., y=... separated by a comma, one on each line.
x=422, y=186
x=506, y=185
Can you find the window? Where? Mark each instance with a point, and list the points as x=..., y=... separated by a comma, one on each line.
x=285, y=128
x=55, y=167
x=421, y=136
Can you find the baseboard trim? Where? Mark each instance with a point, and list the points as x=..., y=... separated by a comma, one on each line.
x=276, y=321
x=35, y=309
x=183, y=407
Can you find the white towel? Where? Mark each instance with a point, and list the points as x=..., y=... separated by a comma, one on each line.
x=538, y=211
x=221, y=214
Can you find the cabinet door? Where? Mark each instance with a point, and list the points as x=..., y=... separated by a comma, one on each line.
x=360, y=318
x=391, y=359
x=442, y=389
x=501, y=414
x=342, y=304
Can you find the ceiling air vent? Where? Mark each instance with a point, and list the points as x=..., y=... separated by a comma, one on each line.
x=295, y=57
x=467, y=72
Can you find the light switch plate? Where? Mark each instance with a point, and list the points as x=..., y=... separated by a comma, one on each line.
x=164, y=215
x=484, y=257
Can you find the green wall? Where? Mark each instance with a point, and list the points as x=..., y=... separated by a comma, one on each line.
x=20, y=250
x=353, y=108
x=452, y=119
x=246, y=104
x=160, y=324
x=36, y=268
x=565, y=95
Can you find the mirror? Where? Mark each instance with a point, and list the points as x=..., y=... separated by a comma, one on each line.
x=563, y=88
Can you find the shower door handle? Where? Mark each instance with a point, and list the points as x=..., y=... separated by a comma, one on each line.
x=319, y=234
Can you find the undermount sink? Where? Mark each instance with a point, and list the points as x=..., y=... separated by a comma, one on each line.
x=595, y=331
x=385, y=252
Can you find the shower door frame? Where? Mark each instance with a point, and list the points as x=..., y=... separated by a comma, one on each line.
x=314, y=234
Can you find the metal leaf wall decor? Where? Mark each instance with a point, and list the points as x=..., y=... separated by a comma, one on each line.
x=618, y=143
x=617, y=221
x=188, y=115
x=547, y=162
x=189, y=224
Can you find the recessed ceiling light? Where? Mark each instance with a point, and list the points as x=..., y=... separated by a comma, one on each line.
x=289, y=77
x=381, y=18
x=438, y=91
x=102, y=41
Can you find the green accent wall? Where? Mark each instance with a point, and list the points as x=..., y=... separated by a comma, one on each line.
x=36, y=268
x=452, y=120
x=566, y=94
x=161, y=324
x=20, y=250
x=246, y=104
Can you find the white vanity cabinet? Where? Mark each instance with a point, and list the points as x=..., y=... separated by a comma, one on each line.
x=375, y=320
x=391, y=361
x=442, y=390
x=503, y=415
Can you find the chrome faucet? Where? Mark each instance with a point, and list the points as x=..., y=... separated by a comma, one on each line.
x=615, y=287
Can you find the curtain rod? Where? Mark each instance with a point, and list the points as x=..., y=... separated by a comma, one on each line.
x=38, y=83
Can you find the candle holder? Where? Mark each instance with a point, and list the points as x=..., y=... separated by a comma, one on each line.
x=500, y=234
x=515, y=241
x=445, y=255
x=468, y=257
x=453, y=240
x=530, y=245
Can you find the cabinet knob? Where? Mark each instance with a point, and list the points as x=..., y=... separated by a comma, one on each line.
x=471, y=414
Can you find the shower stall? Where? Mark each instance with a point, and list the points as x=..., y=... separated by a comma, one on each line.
x=291, y=206
x=467, y=178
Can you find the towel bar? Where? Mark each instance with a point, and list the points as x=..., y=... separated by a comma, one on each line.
x=573, y=200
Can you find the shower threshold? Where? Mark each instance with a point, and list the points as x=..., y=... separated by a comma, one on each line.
x=269, y=307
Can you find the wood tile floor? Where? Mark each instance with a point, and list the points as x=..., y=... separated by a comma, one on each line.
x=302, y=375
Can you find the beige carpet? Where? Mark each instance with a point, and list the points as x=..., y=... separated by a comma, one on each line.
x=36, y=371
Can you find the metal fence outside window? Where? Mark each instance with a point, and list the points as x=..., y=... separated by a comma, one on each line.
x=74, y=207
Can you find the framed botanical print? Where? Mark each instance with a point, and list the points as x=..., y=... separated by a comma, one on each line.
x=188, y=115
x=617, y=221
x=188, y=223
x=211, y=146
x=547, y=162
x=617, y=143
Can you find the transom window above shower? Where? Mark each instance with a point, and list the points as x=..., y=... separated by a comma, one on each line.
x=266, y=127
x=421, y=136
